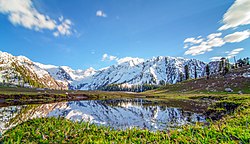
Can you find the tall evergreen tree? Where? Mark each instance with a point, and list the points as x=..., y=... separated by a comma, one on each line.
x=181, y=76
x=240, y=62
x=195, y=72
x=220, y=66
x=226, y=70
x=186, y=72
x=227, y=67
x=207, y=71
x=161, y=82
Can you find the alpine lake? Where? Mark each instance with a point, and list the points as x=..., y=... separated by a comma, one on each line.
x=117, y=113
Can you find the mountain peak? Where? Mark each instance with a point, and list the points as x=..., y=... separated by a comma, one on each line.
x=128, y=72
x=131, y=61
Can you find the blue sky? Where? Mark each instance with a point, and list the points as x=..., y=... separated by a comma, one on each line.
x=98, y=33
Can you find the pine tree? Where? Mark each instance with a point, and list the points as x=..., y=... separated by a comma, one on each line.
x=207, y=71
x=226, y=69
x=240, y=62
x=162, y=82
x=186, y=72
x=195, y=72
x=220, y=66
x=181, y=76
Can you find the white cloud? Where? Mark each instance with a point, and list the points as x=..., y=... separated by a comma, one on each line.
x=104, y=57
x=108, y=57
x=112, y=58
x=100, y=13
x=23, y=13
x=216, y=42
x=237, y=15
x=215, y=58
x=237, y=36
x=186, y=46
x=214, y=35
x=213, y=40
x=234, y=52
x=64, y=28
x=193, y=40
x=230, y=54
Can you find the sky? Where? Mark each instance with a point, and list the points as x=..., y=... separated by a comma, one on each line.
x=100, y=33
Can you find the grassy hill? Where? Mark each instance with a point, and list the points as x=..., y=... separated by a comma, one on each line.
x=237, y=79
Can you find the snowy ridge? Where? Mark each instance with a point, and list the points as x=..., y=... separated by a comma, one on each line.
x=20, y=70
x=128, y=71
x=132, y=72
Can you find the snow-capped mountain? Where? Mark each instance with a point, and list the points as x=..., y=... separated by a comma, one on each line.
x=135, y=72
x=130, y=71
x=65, y=73
x=20, y=70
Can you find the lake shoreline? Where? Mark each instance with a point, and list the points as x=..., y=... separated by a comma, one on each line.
x=232, y=126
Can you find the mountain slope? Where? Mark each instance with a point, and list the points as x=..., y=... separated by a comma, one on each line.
x=237, y=81
x=20, y=70
x=132, y=72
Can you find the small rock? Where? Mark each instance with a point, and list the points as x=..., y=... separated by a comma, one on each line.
x=228, y=90
x=246, y=75
x=240, y=92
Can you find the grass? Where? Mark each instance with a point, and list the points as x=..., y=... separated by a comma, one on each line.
x=234, y=127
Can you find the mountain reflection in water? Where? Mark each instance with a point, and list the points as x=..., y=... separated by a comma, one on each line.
x=118, y=114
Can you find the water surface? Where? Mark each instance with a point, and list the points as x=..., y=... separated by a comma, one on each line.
x=117, y=113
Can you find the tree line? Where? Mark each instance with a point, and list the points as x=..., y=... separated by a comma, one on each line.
x=132, y=88
x=224, y=68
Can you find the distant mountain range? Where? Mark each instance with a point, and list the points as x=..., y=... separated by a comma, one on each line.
x=20, y=70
